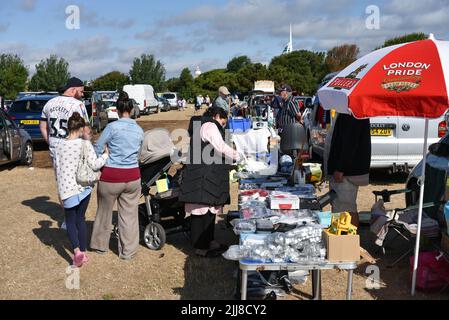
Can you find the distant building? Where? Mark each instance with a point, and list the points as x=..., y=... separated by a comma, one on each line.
x=289, y=47
x=198, y=72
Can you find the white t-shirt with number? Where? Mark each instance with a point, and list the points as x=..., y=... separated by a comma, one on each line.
x=57, y=113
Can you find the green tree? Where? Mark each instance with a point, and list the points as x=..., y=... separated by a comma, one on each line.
x=209, y=82
x=172, y=85
x=404, y=39
x=111, y=81
x=342, y=56
x=186, y=84
x=238, y=63
x=51, y=74
x=13, y=75
x=249, y=74
x=301, y=69
x=148, y=70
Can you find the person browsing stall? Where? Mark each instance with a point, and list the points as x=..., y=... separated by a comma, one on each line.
x=222, y=101
x=289, y=112
x=119, y=182
x=205, y=183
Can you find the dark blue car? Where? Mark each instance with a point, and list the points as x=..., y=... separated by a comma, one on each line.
x=27, y=111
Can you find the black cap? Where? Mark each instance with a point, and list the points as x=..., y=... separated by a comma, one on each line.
x=72, y=83
x=286, y=88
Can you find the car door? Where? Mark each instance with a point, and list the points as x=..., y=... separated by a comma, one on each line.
x=384, y=140
x=5, y=141
x=411, y=138
x=16, y=140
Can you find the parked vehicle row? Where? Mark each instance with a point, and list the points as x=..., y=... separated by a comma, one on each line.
x=15, y=143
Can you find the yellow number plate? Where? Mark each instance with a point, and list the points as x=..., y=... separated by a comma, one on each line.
x=29, y=122
x=382, y=132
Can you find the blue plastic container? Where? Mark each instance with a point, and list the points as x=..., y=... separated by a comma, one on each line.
x=239, y=124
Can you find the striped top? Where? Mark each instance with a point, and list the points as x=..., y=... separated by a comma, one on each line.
x=287, y=114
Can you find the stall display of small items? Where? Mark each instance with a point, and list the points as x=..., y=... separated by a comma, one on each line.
x=300, y=245
x=270, y=233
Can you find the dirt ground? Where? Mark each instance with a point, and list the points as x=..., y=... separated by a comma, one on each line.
x=36, y=253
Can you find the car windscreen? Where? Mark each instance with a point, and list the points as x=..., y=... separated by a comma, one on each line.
x=28, y=106
x=169, y=96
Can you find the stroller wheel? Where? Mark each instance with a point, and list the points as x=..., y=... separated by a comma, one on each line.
x=154, y=236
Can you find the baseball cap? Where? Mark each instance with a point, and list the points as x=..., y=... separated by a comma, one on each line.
x=224, y=90
x=286, y=88
x=72, y=83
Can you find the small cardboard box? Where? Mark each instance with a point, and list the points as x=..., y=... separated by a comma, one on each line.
x=342, y=248
x=445, y=243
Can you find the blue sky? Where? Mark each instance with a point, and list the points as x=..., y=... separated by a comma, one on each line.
x=205, y=33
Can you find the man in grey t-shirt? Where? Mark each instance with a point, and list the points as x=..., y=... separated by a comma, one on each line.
x=222, y=100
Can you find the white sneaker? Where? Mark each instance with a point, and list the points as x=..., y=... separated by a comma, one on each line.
x=63, y=226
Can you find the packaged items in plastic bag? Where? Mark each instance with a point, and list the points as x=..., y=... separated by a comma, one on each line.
x=254, y=211
x=244, y=226
x=236, y=253
x=264, y=226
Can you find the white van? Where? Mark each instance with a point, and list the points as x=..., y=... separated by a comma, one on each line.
x=143, y=94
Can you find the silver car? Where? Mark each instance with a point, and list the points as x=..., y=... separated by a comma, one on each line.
x=15, y=142
x=397, y=142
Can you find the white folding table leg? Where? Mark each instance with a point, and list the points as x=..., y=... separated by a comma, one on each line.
x=244, y=284
x=349, y=290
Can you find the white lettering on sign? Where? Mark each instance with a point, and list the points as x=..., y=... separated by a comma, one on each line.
x=415, y=65
x=406, y=68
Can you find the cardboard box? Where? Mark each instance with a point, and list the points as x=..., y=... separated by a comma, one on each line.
x=342, y=248
x=445, y=243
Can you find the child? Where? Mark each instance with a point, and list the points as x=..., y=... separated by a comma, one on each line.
x=75, y=197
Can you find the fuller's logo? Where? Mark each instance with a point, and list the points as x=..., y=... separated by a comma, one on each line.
x=404, y=76
x=349, y=81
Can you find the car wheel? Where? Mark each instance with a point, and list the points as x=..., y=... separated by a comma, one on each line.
x=154, y=236
x=412, y=198
x=27, y=155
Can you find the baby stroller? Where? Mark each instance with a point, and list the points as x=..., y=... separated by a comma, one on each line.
x=161, y=214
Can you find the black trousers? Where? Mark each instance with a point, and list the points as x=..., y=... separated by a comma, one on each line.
x=202, y=230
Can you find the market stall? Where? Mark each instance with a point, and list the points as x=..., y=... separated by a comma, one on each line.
x=280, y=222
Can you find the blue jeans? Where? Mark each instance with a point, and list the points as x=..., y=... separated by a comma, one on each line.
x=75, y=219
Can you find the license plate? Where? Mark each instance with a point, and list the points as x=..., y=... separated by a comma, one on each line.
x=381, y=132
x=30, y=122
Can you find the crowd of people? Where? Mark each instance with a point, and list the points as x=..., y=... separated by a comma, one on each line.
x=204, y=187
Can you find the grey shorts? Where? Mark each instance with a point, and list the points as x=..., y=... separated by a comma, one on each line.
x=346, y=200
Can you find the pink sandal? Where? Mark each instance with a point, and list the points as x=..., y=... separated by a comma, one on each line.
x=78, y=260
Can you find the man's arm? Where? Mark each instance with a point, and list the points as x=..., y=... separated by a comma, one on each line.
x=44, y=129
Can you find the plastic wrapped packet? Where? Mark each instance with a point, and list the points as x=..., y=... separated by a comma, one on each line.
x=253, y=211
x=244, y=226
x=236, y=253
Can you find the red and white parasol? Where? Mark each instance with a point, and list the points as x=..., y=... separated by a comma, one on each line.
x=409, y=80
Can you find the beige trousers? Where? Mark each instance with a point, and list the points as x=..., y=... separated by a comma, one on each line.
x=127, y=196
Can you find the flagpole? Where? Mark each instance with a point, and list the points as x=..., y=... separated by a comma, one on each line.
x=420, y=212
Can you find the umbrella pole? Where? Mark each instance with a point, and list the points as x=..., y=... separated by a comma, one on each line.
x=421, y=202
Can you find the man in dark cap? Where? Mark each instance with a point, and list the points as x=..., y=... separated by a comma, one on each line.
x=56, y=113
x=290, y=111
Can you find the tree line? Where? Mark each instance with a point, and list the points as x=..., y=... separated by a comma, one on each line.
x=301, y=69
